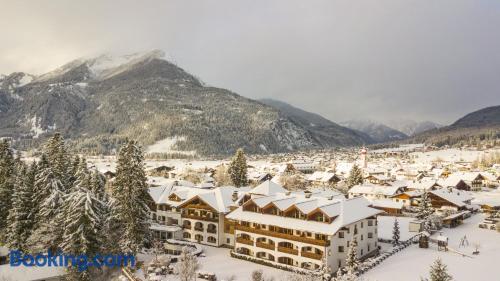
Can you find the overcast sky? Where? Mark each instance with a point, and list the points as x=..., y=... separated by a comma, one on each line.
x=384, y=60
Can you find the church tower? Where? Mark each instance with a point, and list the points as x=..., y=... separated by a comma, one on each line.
x=363, y=155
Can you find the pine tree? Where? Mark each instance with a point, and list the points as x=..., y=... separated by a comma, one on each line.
x=352, y=261
x=395, y=233
x=82, y=176
x=97, y=184
x=75, y=164
x=48, y=201
x=238, y=169
x=439, y=272
x=19, y=219
x=82, y=222
x=425, y=206
x=355, y=176
x=7, y=173
x=58, y=159
x=187, y=265
x=132, y=200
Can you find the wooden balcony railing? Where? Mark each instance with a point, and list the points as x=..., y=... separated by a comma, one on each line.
x=311, y=255
x=195, y=217
x=265, y=245
x=306, y=240
x=288, y=250
x=244, y=241
x=197, y=206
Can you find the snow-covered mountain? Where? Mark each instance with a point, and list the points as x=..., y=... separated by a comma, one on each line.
x=477, y=125
x=377, y=131
x=411, y=127
x=99, y=102
x=324, y=130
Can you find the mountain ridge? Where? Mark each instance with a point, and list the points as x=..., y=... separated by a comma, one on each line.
x=482, y=123
x=324, y=129
x=148, y=98
x=379, y=132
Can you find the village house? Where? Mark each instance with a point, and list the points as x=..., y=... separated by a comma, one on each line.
x=255, y=177
x=408, y=198
x=374, y=192
x=388, y=206
x=304, y=166
x=450, y=198
x=465, y=181
x=303, y=229
x=323, y=178
x=424, y=184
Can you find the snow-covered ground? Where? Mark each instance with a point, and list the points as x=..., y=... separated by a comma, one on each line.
x=448, y=155
x=167, y=146
x=219, y=261
x=413, y=262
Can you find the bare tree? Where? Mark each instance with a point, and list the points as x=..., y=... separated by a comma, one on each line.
x=222, y=176
x=187, y=265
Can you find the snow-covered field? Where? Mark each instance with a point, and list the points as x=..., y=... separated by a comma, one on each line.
x=167, y=146
x=448, y=155
x=413, y=262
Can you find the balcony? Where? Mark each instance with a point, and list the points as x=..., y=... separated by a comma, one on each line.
x=200, y=218
x=306, y=240
x=187, y=226
x=265, y=246
x=211, y=230
x=197, y=228
x=311, y=255
x=244, y=241
x=288, y=250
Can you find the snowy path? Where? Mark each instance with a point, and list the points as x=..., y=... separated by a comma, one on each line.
x=413, y=263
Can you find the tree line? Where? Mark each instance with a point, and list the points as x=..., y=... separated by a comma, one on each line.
x=58, y=203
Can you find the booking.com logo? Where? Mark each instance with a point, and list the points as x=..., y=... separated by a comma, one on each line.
x=81, y=262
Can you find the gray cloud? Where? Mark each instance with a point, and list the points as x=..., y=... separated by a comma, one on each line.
x=414, y=59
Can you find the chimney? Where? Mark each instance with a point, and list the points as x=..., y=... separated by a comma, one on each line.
x=235, y=196
x=308, y=195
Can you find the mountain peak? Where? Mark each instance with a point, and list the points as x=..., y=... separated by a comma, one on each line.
x=102, y=66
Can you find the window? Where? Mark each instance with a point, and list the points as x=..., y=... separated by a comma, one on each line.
x=362, y=237
x=228, y=241
x=341, y=249
x=361, y=251
x=368, y=247
x=370, y=223
x=370, y=235
x=211, y=239
x=341, y=234
x=362, y=224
